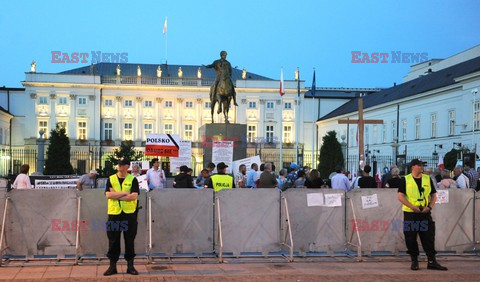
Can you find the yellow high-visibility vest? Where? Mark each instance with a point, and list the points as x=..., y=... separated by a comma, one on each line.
x=413, y=194
x=222, y=181
x=115, y=207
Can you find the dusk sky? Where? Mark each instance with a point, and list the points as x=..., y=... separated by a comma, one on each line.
x=261, y=36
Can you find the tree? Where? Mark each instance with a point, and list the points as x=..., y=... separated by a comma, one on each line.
x=330, y=154
x=125, y=151
x=58, y=153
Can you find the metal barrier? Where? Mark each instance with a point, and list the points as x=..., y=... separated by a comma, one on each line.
x=250, y=220
x=3, y=219
x=477, y=222
x=315, y=228
x=182, y=221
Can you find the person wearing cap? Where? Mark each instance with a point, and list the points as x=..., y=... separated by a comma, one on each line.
x=417, y=194
x=122, y=193
x=183, y=179
x=87, y=181
x=220, y=180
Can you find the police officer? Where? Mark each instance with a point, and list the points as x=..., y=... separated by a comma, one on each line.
x=418, y=195
x=122, y=192
x=221, y=180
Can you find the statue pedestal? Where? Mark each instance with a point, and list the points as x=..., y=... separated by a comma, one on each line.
x=226, y=132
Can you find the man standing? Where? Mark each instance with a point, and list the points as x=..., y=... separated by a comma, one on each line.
x=221, y=180
x=251, y=176
x=367, y=181
x=241, y=176
x=156, y=178
x=87, y=181
x=462, y=180
x=267, y=179
x=122, y=192
x=339, y=180
x=418, y=196
x=472, y=174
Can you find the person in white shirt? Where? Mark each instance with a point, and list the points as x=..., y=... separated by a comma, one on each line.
x=339, y=180
x=23, y=181
x=156, y=177
x=462, y=179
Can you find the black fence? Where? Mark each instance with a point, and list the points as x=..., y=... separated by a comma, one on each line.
x=352, y=162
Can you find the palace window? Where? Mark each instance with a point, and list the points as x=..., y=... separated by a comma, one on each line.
x=108, y=103
x=128, y=132
x=43, y=100
x=168, y=104
x=384, y=133
x=188, y=104
x=62, y=100
x=288, y=106
x=251, y=133
x=394, y=130
x=168, y=128
x=269, y=133
x=252, y=105
x=476, y=115
x=147, y=129
x=207, y=105
x=82, y=100
x=417, y=128
x=404, y=130
x=433, y=125
x=189, y=132
x=451, y=122
x=82, y=130
x=43, y=125
x=375, y=134
x=108, y=129
x=128, y=103
x=63, y=124
x=270, y=105
x=287, y=134
x=148, y=104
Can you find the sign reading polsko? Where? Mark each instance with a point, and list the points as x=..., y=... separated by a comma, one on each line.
x=162, y=145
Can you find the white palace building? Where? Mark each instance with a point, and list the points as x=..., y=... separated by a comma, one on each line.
x=106, y=103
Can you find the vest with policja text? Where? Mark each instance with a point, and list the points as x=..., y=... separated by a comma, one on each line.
x=116, y=207
x=414, y=195
x=221, y=181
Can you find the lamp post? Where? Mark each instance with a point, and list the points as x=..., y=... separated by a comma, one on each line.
x=474, y=145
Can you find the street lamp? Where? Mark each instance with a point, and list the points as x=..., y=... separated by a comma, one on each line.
x=474, y=146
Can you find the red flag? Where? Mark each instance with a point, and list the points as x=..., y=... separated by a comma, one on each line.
x=165, y=26
x=282, y=87
x=440, y=162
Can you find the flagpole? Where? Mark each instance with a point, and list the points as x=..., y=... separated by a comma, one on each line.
x=281, y=120
x=314, y=85
x=165, y=30
x=297, y=117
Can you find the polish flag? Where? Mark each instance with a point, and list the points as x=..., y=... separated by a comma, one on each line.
x=282, y=87
x=440, y=162
x=165, y=26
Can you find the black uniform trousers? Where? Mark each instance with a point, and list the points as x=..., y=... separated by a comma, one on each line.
x=129, y=234
x=427, y=237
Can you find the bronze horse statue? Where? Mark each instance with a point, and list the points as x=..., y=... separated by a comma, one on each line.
x=222, y=90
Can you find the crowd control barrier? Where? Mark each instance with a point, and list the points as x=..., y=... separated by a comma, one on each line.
x=238, y=222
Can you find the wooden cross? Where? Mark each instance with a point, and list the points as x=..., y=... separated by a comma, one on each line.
x=361, y=122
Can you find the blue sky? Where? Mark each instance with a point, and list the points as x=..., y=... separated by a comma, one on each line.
x=260, y=35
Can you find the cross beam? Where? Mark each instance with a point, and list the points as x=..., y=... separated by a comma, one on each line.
x=361, y=123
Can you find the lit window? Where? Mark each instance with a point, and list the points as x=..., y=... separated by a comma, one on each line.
x=168, y=128
x=252, y=133
x=270, y=105
x=147, y=129
x=287, y=134
x=82, y=130
x=451, y=122
x=82, y=101
x=269, y=133
x=128, y=103
x=43, y=100
x=188, y=132
x=108, y=103
x=288, y=106
x=433, y=129
x=63, y=124
x=168, y=104
x=128, y=132
x=43, y=125
x=148, y=104
x=62, y=100
x=189, y=104
x=252, y=105
x=108, y=127
x=417, y=128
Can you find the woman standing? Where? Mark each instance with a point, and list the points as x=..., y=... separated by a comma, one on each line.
x=23, y=181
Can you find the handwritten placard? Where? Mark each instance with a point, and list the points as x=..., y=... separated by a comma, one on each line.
x=333, y=200
x=370, y=201
x=314, y=199
x=142, y=182
x=442, y=196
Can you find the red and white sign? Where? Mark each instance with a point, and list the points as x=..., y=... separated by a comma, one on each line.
x=162, y=145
